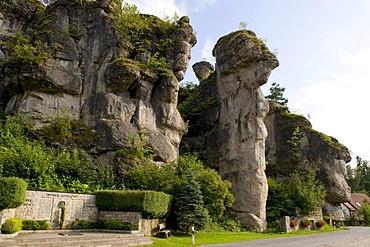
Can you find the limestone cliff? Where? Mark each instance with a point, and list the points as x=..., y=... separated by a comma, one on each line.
x=232, y=128
x=312, y=151
x=78, y=58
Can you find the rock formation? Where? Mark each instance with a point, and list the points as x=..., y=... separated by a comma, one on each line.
x=84, y=66
x=77, y=58
x=232, y=130
x=315, y=152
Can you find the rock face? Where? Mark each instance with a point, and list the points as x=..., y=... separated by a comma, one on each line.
x=315, y=152
x=95, y=75
x=233, y=130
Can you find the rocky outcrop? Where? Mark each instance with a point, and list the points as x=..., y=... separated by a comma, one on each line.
x=232, y=129
x=94, y=74
x=312, y=152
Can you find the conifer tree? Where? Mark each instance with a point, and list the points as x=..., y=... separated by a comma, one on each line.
x=276, y=94
x=190, y=208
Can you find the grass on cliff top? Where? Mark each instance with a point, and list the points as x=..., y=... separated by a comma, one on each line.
x=205, y=238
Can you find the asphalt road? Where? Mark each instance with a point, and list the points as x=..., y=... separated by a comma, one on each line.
x=354, y=237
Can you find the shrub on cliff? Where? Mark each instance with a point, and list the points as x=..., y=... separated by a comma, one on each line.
x=151, y=203
x=12, y=192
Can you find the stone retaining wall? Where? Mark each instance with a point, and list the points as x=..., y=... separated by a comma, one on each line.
x=44, y=205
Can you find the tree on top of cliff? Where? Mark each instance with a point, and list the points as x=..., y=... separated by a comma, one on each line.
x=276, y=94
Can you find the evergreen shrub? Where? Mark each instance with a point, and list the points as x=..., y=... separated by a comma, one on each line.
x=151, y=204
x=103, y=224
x=116, y=225
x=35, y=225
x=84, y=224
x=12, y=192
x=11, y=225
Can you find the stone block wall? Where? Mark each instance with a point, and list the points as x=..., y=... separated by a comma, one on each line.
x=128, y=217
x=44, y=205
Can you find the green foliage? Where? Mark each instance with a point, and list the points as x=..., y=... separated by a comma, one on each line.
x=305, y=222
x=116, y=225
x=276, y=94
x=193, y=101
x=65, y=130
x=189, y=161
x=103, y=224
x=300, y=190
x=72, y=31
x=47, y=168
x=364, y=212
x=358, y=178
x=279, y=202
x=140, y=33
x=25, y=52
x=62, y=216
x=216, y=193
x=308, y=193
x=12, y=192
x=189, y=203
x=151, y=203
x=84, y=224
x=160, y=66
x=294, y=143
x=35, y=225
x=137, y=149
x=150, y=176
x=11, y=225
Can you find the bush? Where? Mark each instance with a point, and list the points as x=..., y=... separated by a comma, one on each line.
x=35, y=225
x=12, y=192
x=83, y=224
x=152, y=204
x=11, y=225
x=103, y=224
x=116, y=225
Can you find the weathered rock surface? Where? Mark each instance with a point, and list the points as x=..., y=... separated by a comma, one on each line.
x=91, y=78
x=233, y=132
x=315, y=152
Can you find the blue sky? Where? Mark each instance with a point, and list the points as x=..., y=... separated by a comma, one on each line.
x=323, y=47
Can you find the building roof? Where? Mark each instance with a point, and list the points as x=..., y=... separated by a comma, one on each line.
x=357, y=199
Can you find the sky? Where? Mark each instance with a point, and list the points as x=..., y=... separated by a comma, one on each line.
x=323, y=47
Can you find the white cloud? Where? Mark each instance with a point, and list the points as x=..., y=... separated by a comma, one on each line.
x=207, y=50
x=160, y=8
x=164, y=8
x=338, y=102
x=198, y=5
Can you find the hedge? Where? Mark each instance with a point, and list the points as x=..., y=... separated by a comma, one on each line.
x=35, y=225
x=12, y=192
x=11, y=225
x=151, y=204
x=103, y=224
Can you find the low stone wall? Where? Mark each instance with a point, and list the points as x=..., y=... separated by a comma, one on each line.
x=128, y=217
x=44, y=205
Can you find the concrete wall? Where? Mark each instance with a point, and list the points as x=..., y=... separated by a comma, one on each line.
x=43, y=205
